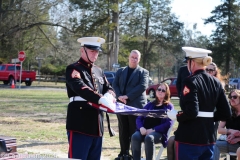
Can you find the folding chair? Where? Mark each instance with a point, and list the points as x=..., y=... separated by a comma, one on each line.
x=161, y=147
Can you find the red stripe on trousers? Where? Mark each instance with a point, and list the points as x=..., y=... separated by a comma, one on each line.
x=176, y=150
x=70, y=144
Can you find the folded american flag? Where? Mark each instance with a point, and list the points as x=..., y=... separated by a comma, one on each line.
x=123, y=109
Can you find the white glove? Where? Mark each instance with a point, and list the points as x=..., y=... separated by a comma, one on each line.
x=143, y=131
x=110, y=97
x=108, y=105
x=172, y=114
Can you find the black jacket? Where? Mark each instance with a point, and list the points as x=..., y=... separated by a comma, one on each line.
x=201, y=92
x=182, y=74
x=88, y=81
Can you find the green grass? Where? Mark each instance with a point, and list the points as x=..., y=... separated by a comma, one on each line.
x=33, y=99
x=36, y=118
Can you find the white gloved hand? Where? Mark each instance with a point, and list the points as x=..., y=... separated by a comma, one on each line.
x=143, y=131
x=110, y=97
x=172, y=114
x=108, y=105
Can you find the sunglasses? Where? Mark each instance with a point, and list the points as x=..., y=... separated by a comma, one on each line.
x=210, y=70
x=160, y=89
x=232, y=97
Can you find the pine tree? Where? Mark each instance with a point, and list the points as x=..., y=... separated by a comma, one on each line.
x=225, y=40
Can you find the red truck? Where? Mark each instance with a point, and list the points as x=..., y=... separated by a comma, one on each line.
x=8, y=74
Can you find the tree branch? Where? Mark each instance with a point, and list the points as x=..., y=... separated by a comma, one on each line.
x=29, y=26
x=47, y=38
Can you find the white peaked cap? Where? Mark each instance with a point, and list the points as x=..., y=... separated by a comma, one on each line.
x=94, y=41
x=192, y=52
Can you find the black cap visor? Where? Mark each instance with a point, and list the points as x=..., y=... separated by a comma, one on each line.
x=186, y=59
x=96, y=48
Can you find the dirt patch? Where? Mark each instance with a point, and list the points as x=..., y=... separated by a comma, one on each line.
x=10, y=122
x=43, y=120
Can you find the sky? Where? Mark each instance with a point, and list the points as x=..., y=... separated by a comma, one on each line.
x=193, y=11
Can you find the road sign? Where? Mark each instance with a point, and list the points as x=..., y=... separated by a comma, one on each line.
x=21, y=56
x=115, y=65
x=15, y=60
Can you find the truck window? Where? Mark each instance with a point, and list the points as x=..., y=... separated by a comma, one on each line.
x=168, y=81
x=2, y=68
x=12, y=68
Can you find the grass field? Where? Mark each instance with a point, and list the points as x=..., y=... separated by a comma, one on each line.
x=36, y=118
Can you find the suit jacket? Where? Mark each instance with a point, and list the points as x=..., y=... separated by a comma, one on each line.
x=135, y=88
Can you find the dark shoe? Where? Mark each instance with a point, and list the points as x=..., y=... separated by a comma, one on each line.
x=127, y=157
x=233, y=158
x=120, y=157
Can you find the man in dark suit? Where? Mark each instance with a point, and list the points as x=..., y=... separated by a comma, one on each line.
x=130, y=85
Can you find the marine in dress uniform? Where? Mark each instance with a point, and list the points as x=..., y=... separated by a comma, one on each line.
x=195, y=135
x=85, y=83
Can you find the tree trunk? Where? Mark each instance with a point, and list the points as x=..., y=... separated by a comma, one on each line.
x=116, y=31
x=229, y=35
x=145, y=43
x=108, y=40
x=112, y=59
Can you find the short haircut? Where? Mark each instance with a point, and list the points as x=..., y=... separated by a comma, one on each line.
x=136, y=51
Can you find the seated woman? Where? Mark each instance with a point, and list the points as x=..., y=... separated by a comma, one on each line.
x=152, y=130
x=230, y=127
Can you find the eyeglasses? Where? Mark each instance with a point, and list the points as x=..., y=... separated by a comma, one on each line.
x=210, y=70
x=232, y=97
x=160, y=89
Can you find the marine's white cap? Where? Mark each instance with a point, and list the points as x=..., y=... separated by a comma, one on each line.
x=93, y=43
x=192, y=52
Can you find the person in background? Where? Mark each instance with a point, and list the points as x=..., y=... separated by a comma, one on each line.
x=213, y=70
x=85, y=83
x=230, y=128
x=195, y=135
x=183, y=72
x=130, y=86
x=152, y=130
